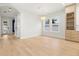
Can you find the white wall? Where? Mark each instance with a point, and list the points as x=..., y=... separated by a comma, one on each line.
x=30, y=25
x=60, y=15
x=0, y=25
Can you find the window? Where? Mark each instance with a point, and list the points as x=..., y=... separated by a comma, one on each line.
x=51, y=25
x=54, y=25
x=47, y=25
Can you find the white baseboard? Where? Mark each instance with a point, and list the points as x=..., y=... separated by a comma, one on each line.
x=54, y=37
x=30, y=37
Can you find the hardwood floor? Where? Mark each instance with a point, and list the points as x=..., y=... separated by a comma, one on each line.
x=38, y=46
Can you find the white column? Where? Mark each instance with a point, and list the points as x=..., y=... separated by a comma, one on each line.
x=77, y=18
x=0, y=25
x=17, y=26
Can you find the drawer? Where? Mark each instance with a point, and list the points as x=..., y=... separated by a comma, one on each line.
x=68, y=37
x=77, y=36
x=68, y=34
x=68, y=31
x=72, y=35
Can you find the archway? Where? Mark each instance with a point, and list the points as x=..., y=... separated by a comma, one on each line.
x=8, y=21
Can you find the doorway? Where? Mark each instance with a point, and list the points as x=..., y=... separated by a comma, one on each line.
x=9, y=19
x=8, y=26
x=13, y=26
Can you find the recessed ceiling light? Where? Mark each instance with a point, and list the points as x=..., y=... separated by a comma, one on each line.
x=10, y=9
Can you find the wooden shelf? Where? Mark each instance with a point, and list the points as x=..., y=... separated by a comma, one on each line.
x=71, y=34
x=70, y=21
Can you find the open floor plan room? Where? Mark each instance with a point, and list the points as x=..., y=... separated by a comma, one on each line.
x=39, y=29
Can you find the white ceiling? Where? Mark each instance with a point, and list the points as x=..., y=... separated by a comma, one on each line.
x=37, y=8
x=41, y=8
x=8, y=11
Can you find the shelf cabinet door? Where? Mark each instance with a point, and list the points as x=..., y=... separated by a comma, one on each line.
x=68, y=35
x=70, y=21
x=72, y=35
x=75, y=36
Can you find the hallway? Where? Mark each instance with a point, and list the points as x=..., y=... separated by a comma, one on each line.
x=41, y=46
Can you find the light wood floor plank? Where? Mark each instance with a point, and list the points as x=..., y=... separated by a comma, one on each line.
x=38, y=46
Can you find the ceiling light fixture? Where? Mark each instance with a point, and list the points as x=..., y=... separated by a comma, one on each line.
x=10, y=9
x=43, y=17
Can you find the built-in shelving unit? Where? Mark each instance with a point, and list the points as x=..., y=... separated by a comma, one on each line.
x=71, y=34
x=70, y=21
